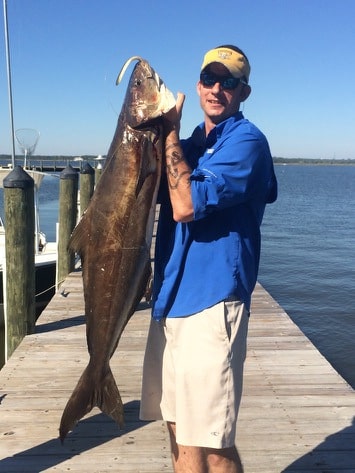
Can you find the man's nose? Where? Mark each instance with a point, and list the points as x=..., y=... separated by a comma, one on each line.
x=216, y=87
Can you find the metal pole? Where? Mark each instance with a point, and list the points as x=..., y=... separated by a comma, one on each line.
x=9, y=82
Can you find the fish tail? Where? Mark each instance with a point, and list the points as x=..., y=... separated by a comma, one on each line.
x=89, y=394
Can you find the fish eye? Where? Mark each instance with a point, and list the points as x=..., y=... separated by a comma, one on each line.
x=137, y=82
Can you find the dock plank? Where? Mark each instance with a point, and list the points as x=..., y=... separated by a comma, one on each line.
x=297, y=413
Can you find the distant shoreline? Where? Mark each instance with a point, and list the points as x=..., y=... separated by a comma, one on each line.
x=6, y=158
x=324, y=162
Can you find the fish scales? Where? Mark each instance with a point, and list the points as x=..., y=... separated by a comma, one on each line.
x=113, y=239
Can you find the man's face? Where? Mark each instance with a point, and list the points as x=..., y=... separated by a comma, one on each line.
x=217, y=102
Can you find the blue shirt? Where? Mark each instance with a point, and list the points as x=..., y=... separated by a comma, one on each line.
x=215, y=256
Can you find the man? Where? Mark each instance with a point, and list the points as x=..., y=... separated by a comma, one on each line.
x=207, y=256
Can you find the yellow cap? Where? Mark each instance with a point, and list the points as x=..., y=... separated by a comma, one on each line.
x=236, y=63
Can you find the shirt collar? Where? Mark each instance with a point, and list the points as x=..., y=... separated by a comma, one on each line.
x=200, y=140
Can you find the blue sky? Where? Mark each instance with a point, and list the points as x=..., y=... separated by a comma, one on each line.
x=66, y=54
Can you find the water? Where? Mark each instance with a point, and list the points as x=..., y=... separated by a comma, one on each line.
x=308, y=253
x=48, y=196
x=308, y=257
x=49, y=205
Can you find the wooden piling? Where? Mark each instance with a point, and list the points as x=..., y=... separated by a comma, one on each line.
x=68, y=203
x=87, y=185
x=20, y=259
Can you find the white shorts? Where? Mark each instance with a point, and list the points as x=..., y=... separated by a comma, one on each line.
x=193, y=374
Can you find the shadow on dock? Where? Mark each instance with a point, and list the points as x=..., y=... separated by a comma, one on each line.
x=335, y=454
x=89, y=433
x=61, y=324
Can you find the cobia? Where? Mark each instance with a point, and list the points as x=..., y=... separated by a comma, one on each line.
x=113, y=239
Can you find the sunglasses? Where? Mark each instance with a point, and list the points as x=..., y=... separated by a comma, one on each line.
x=228, y=83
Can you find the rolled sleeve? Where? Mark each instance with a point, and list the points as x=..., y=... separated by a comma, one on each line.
x=229, y=176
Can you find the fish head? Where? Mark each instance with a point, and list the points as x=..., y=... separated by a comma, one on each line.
x=147, y=97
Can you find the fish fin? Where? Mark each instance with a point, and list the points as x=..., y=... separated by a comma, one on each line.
x=86, y=396
x=109, y=399
x=78, y=236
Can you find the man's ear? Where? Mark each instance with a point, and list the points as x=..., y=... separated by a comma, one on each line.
x=245, y=92
x=198, y=87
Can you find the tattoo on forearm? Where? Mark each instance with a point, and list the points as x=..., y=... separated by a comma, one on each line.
x=174, y=175
x=172, y=145
x=178, y=179
x=175, y=157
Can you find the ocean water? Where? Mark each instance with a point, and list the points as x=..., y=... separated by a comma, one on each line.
x=308, y=257
x=308, y=253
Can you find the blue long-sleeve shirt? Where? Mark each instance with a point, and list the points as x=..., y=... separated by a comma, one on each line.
x=215, y=256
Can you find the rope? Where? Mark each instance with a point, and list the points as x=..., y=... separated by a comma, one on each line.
x=49, y=288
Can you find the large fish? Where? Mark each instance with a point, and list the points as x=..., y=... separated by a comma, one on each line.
x=114, y=237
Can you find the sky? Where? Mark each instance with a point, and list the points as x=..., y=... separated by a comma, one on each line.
x=66, y=54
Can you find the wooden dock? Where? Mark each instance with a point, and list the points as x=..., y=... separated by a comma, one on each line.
x=297, y=413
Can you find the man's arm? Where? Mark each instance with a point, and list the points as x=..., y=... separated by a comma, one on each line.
x=177, y=169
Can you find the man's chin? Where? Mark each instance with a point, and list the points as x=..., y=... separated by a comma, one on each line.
x=216, y=117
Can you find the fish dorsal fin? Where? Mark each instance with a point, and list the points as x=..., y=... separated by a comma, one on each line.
x=125, y=66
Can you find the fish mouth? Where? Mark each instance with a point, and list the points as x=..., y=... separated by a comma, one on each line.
x=168, y=97
x=153, y=125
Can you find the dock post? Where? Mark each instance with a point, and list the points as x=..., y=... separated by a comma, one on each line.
x=20, y=259
x=87, y=185
x=68, y=207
